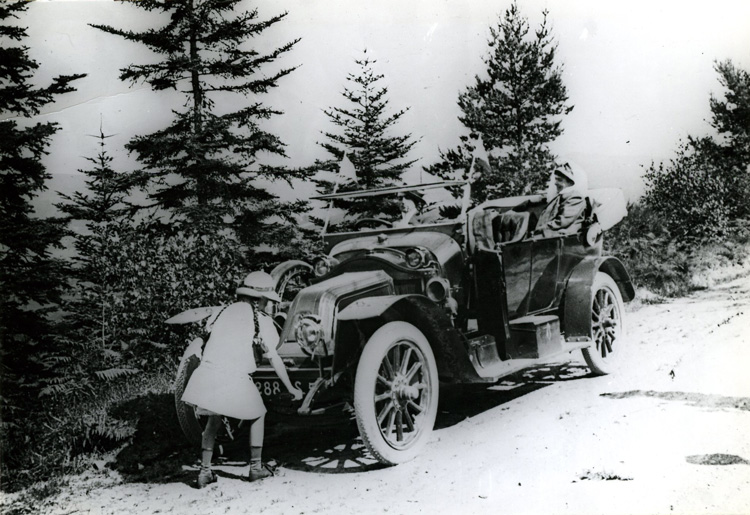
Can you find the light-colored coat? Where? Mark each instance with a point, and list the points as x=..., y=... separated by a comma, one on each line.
x=222, y=384
x=563, y=215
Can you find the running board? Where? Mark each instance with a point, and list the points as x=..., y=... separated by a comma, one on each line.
x=493, y=372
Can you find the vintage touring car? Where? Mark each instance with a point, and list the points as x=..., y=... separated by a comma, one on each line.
x=387, y=314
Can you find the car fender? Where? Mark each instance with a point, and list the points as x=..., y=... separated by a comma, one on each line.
x=194, y=315
x=280, y=269
x=576, y=322
x=370, y=307
x=371, y=313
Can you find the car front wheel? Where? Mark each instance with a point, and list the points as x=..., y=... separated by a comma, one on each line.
x=396, y=393
x=607, y=326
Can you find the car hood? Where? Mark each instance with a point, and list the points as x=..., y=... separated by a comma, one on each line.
x=443, y=246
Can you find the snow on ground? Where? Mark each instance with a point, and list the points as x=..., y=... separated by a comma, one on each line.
x=668, y=434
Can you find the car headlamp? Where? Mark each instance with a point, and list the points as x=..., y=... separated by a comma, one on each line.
x=323, y=264
x=416, y=257
x=308, y=333
x=437, y=289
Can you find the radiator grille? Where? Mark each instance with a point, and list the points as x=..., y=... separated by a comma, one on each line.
x=407, y=287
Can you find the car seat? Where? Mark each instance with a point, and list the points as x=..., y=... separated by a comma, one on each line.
x=511, y=226
x=483, y=229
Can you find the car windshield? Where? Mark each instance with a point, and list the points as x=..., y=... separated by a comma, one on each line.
x=411, y=214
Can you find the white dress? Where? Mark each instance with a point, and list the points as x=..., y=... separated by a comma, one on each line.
x=222, y=384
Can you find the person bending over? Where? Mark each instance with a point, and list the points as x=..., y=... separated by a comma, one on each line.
x=222, y=385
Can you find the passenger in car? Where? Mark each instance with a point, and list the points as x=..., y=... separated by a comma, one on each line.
x=565, y=211
x=222, y=385
x=411, y=204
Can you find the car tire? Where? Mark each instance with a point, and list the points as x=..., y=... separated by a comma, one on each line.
x=290, y=277
x=396, y=393
x=607, y=326
x=192, y=424
x=189, y=423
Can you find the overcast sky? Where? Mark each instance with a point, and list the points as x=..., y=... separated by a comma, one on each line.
x=639, y=72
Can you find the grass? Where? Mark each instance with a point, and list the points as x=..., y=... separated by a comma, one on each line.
x=70, y=436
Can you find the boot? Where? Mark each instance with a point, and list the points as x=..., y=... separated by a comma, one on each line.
x=258, y=472
x=206, y=477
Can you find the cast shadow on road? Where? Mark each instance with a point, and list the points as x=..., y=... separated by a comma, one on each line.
x=159, y=453
x=338, y=448
x=698, y=400
x=460, y=402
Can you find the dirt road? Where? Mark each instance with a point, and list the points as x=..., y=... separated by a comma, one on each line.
x=669, y=434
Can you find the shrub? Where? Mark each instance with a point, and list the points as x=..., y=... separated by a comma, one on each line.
x=669, y=266
x=691, y=193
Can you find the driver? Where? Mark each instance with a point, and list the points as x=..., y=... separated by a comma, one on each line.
x=411, y=203
x=566, y=206
x=222, y=385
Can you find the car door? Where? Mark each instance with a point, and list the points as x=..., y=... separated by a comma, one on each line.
x=517, y=264
x=545, y=268
x=490, y=286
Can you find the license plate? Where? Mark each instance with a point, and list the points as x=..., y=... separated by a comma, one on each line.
x=272, y=387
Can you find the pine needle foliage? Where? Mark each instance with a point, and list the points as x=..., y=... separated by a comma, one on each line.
x=203, y=168
x=514, y=110
x=86, y=337
x=30, y=276
x=365, y=130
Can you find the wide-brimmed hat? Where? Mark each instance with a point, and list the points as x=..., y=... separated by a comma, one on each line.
x=574, y=174
x=566, y=172
x=259, y=285
x=415, y=196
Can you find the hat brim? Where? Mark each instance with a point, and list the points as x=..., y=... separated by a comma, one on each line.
x=249, y=292
x=414, y=196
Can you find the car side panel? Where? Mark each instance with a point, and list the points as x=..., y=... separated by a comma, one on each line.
x=573, y=252
x=517, y=264
x=545, y=264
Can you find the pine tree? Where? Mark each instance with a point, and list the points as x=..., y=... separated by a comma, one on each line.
x=366, y=136
x=30, y=276
x=202, y=168
x=731, y=114
x=514, y=110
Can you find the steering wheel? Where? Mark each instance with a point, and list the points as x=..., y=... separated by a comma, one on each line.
x=375, y=222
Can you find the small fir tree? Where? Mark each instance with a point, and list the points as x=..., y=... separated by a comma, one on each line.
x=514, y=111
x=203, y=168
x=365, y=134
x=88, y=339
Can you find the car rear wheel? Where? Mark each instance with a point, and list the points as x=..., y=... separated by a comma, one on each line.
x=191, y=423
x=396, y=393
x=607, y=326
